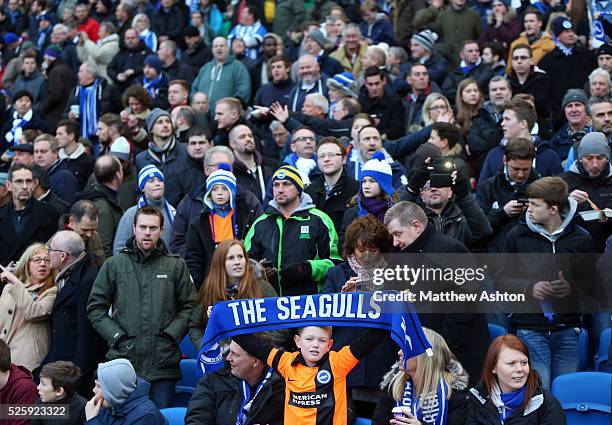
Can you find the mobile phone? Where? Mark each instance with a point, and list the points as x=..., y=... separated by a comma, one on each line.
x=440, y=180
x=523, y=201
x=267, y=264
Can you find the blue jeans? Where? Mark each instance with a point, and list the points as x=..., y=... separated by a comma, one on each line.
x=552, y=353
x=162, y=391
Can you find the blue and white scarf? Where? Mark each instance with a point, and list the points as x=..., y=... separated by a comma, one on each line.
x=363, y=309
x=88, y=102
x=170, y=210
x=431, y=408
x=149, y=38
x=247, y=400
x=567, y=51
x=152, y=86
x=14, y=134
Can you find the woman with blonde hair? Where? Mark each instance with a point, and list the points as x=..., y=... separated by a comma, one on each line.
x=27, y=301
x=431, y=390
x=232, y=276
x=435, y=104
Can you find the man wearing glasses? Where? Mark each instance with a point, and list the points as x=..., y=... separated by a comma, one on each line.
x=23, y=220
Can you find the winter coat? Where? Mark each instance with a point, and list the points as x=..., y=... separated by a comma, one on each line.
x=335, y=203
x=465, y=333
x=25, y=323
x=437, y=68
x=413, y=106
x=191, y=205
x=547, y=162
x=307, y=235
x=190, y=178
x=298, y=94
x=180, y=71
x=35, y=123
x=457, y=403
x=538, y=85
x=556, y=64
x=196, y=56
x=380, y=31
x=459, y=25
x=19, y=389
x=80, y=163
x=274, y=92
x=478, y=137
x=492, y=194
x=520, y=272
x=91, y=28
x=286, y=13
x=101, y=53
x=330, y=65
x=110, y=213
x=198, y=321
x=138, y=409
x=403, y=21
x=389, y=110
x=251, y=182
x=600, y=192
x=175, y=164
x=507, y=32
x=199, y=240
x=76, y=412
x=128, y=59
x=539, y=48
x=481, y=73
x=63, y=183
x=218, y=398
x=59, y=205
x=34, y=83
x=39, y=225
x=232, y=80
x=543, y=408
x=60, y=82
x=152, y=297
x=370, y=370
x=170, y=23
x=355, y=67
x=73, y=338
x=461, y=219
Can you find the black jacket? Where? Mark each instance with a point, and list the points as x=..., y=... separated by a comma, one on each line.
x=63, y=182
x=492, y=194
x=538, y=85
x=274, y=92
x=581, y=62
x=541, y=410
x=179, y=71
x=36, y=123
x=389, y=110
x=171, y=23
x=251, y=182
x=40, y=223
x=218, y=397
x=457, y=404
x=465, y=333
x=128, y=59
x=103, y=97
x=76, y=412
x=600, y=192
x=200, y=245
x=196, y=56
x=60, y=84
x=73, y=338
x=335, y=203
x=481, y=73
x=479, y=136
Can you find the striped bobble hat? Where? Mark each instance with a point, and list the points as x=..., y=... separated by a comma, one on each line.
x=344, y=83
x=225, y=177
x=147, y=173
x=287, y=172
x=380, y=170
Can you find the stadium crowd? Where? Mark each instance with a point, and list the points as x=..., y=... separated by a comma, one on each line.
x=159, y=157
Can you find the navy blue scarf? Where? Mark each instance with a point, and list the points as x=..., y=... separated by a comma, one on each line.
x=431, y=408
x=236, y=317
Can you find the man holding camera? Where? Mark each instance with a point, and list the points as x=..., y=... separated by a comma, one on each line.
x=502, y=197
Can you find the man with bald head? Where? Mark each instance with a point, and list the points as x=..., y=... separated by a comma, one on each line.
x=311, y=81
x=249, y=168
x=126, y=66
x=103, y=193
x=223, y=76
x=73, y=338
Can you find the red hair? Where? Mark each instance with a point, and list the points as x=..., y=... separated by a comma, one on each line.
x=490, y=379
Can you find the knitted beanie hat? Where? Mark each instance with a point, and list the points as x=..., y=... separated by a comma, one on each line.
x=287, y=172
x=147, y=173
x=380, y=170
x=225, y=177
x=425, y=38
x=345, y=83
x=594, y=143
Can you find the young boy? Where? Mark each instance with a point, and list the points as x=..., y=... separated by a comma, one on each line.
x=315, y=377
x=58, y=382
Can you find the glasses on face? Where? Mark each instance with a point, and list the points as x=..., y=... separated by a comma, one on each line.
x=438, y=108
x=304, y=139
x=520, y=58
x=330, y=155
x=55, y=250
x=38, y=260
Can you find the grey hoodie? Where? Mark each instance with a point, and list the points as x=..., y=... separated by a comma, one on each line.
x=567, y=216
x=117, y=380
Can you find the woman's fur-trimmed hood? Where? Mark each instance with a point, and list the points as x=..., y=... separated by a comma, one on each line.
x=459, y=374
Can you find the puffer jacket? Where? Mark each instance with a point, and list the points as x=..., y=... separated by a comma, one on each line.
x=543, y=408
x=539, y=48
x=102, y=53
x=457, y=404
x=152, y=298
x=307, y=235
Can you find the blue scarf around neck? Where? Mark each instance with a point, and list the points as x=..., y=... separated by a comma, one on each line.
x=431, y=408
x=512, y=401
x=88, y=102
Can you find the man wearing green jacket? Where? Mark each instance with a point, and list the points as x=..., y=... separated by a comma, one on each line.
x=150, y=295
x=297, y=241
x=223, y=76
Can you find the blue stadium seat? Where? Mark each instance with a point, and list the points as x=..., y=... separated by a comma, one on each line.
x=585, y=397
x=583, y=344
x=362, y=421
x=175, y=415
x=601, y=359
x=188, y=349
x=496, y=330
x=185, y=387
